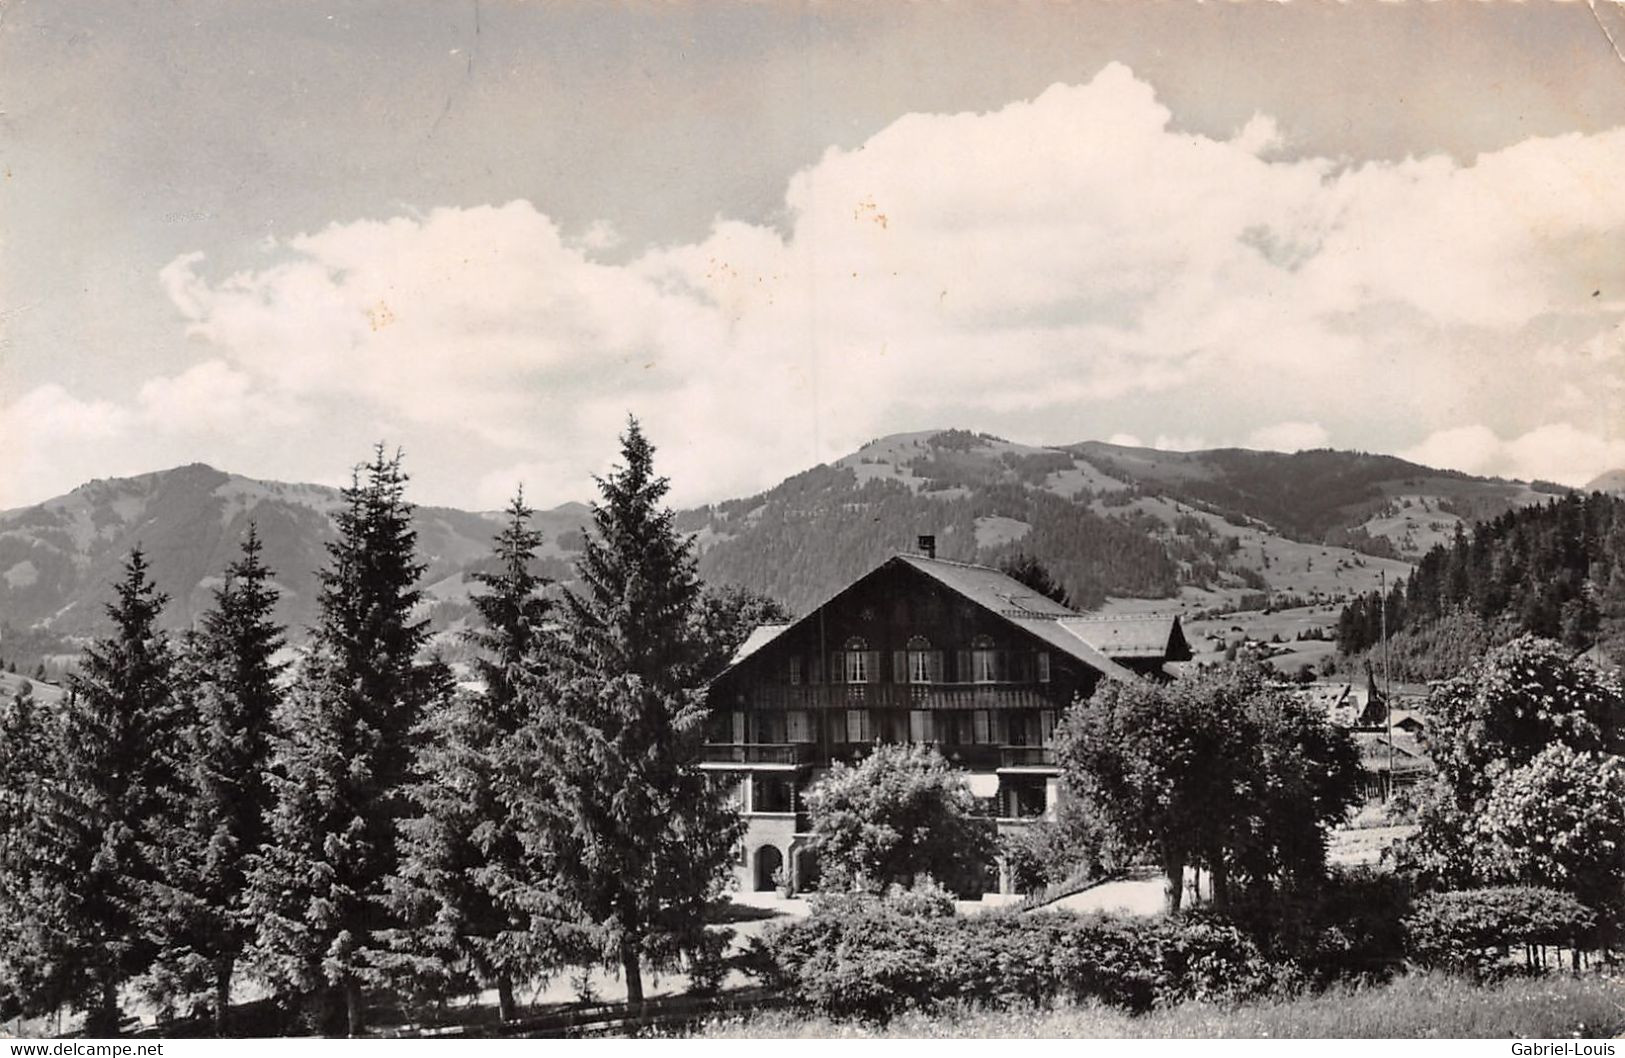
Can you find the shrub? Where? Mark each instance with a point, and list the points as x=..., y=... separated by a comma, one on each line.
x=1349, y=926
x=901, y=812
x=873, y=962
x=1469, y=928
x=925, y=898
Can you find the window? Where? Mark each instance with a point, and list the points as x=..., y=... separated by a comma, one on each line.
x=798, y=725
x=795, y=669
x=1043, y=666
x=856, y=664
x=1046, y=725
x=924, y=664
x=857, y=725
x=920, y=727
x=984, y=660
x=770, y=727
x=738, y=731
x=981, y=729
x=770, y=794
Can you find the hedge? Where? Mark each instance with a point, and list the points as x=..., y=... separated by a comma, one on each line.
x=1469, y=928
x=874, y=962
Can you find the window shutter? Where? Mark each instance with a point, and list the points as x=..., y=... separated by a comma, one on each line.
x=899, y=666
x=935, y=663
x=962, y=667
x=1043, y=666
x=1046, y=724
x=837, y=667
x=981, y=733
x=919, y=725
x=871, y=668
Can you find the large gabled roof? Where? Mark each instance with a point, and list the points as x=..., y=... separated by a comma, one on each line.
x=988, y=587
x=1032, y=612
x=759, y=637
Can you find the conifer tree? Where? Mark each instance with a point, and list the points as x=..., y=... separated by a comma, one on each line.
x=117, y=766
x=342, y=761
x=222, y=804
x=634, y=839
x=463, y=869
x=32, y=897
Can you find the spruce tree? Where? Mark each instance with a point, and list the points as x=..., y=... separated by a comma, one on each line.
x=633, y=838
x=32, y=893
x=342, y=756
x=223, y=801
x=117, y=767
x=463, y=873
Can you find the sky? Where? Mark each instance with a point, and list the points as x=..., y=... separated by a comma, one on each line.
x=268, y=236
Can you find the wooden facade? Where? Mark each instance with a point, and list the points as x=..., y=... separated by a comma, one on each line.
x=918, y=650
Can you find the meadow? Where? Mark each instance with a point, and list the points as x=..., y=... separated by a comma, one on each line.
x=1432, y=1006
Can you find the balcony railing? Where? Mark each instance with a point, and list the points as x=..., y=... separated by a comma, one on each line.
x=897, y=696
x=759, y=752
x=1026, y=756
x=972, y=756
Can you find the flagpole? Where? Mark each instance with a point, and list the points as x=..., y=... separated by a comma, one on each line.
x=1387, y=678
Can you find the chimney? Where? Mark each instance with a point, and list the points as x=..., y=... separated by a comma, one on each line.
x=927, y=546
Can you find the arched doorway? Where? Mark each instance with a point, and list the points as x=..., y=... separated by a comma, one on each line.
x=806, y=872
x=768, y=862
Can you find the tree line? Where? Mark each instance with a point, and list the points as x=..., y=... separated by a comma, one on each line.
x=356, y=821
x=1555, y=570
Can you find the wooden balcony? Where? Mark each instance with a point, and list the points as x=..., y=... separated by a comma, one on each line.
x=1026, y=756
x=976, y=757
x=897, y=696
x=759, y=753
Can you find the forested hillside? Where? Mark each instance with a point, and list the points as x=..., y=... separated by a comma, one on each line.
x=58, y=558
x=821, y=529
x=1223, y=530
x=1556, y=570
x=1322, y=496
x=1107, y=520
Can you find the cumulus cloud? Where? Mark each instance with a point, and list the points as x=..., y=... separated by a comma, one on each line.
x=1068, y=259
x=1289, y=437
x=1556, y=452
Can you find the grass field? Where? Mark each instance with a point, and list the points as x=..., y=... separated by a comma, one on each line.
x=1416, y=1006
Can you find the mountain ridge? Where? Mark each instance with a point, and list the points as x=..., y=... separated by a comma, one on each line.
x=1206, y=528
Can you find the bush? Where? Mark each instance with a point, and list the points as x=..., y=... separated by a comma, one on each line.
x=1349, y=926
x=924, y=899
x=1468, y=929
x=874, y=962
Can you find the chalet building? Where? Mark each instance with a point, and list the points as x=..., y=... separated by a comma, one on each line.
x=922, y=650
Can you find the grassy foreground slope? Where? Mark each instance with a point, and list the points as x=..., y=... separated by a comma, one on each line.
x=1433, y=1006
